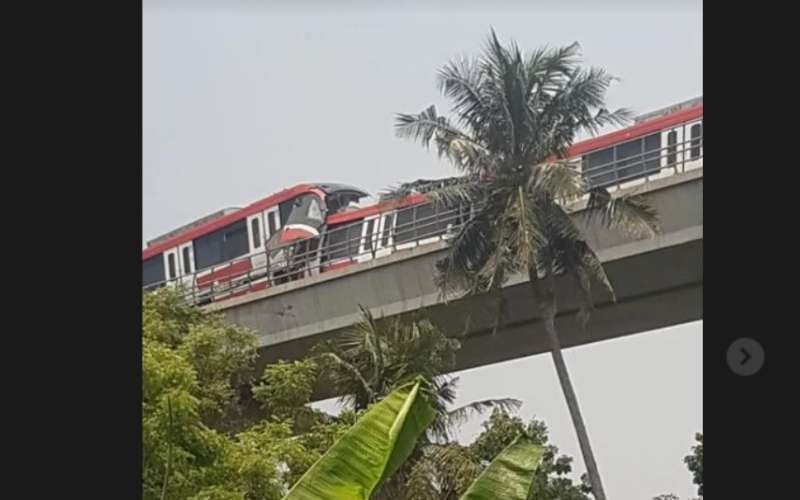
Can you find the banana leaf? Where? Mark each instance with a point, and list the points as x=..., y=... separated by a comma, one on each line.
x=371, y=451
x=510, y=474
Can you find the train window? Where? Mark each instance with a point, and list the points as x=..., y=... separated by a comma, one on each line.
x=284, y=210
x=445, y=214
x=695, y=133
x=387, y=230
x=672, y=140
x=334, y=203
x=187, y=266
x=368, y=236
x=271, y=222
x=652, y=150
x=630, y=162
x=306, y=209
x=404, y=225
x=221, y=245
x=314, y=211
x=425, y=218
x=255, y=229
x=153, y=270
x=171, y=265
x=599, y=168
x=235, y=243
x=342, y=241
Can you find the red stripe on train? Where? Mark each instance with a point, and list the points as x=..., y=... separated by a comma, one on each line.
x=225, y=274
x=336, y=265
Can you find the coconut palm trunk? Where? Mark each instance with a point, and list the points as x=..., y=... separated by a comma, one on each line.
x=574, y=411
x=544, y=295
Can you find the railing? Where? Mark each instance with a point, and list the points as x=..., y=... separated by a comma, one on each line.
x=302, y=259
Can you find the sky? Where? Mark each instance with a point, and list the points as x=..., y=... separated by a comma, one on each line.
x=244, y=98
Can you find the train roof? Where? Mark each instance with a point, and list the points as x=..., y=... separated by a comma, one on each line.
x=644, y=125
x=224, y=217
x=194, y=223
x=651, y=122
x=332, y=187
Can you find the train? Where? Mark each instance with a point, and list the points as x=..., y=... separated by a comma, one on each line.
x=317, y=227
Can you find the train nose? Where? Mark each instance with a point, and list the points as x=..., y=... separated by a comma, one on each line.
x=296, y=232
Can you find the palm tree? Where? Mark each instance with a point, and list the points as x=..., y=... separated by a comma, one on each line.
x=514, y=117
x=377, y=355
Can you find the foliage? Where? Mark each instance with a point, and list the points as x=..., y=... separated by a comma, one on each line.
x=378, y=355
x=371, y=451
x=221, y=355
x=552, y=481
x=695, y=463
x=193, y=366
x=510, y=475
x=187, y=454
x=515, y=115
x=285, y=387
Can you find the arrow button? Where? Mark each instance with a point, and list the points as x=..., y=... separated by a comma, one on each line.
x=745, y=357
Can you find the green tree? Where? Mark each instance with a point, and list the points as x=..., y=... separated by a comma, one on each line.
x=452, y=467
x=194, y=443
x=377, y=355
x=514, y=117
x=694, y=462
x=188, y=455
x=220, y=354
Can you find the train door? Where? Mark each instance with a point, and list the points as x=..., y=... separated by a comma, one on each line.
x=693, y=150
x=385, y=240
x=272, y=222
x=186, y=254
x=256, y=238
x=367, y=246
x=171, y=266
x=672, y=150
x=179, y=266
x=271, y=225
x=377, y=237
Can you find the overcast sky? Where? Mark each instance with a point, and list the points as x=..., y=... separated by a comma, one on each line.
x=243, y=100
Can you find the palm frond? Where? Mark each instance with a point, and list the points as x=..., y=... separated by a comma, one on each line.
x=421, y=481
x=427, y=125
x=455, y=468
x=585, y=303
x=369, y=333
x=453, y=419
x=467, y=254
x=590, y=262
x=562, y=180
x=349, y=368
x=628, y=213
x=462, y=81
x=523, y=234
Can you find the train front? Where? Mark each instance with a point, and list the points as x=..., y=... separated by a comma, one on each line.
x=293, y=249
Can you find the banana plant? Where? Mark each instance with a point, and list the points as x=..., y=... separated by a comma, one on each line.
x=510, y=475
x=371, y=451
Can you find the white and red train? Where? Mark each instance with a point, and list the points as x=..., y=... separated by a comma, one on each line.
x=319, y=227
